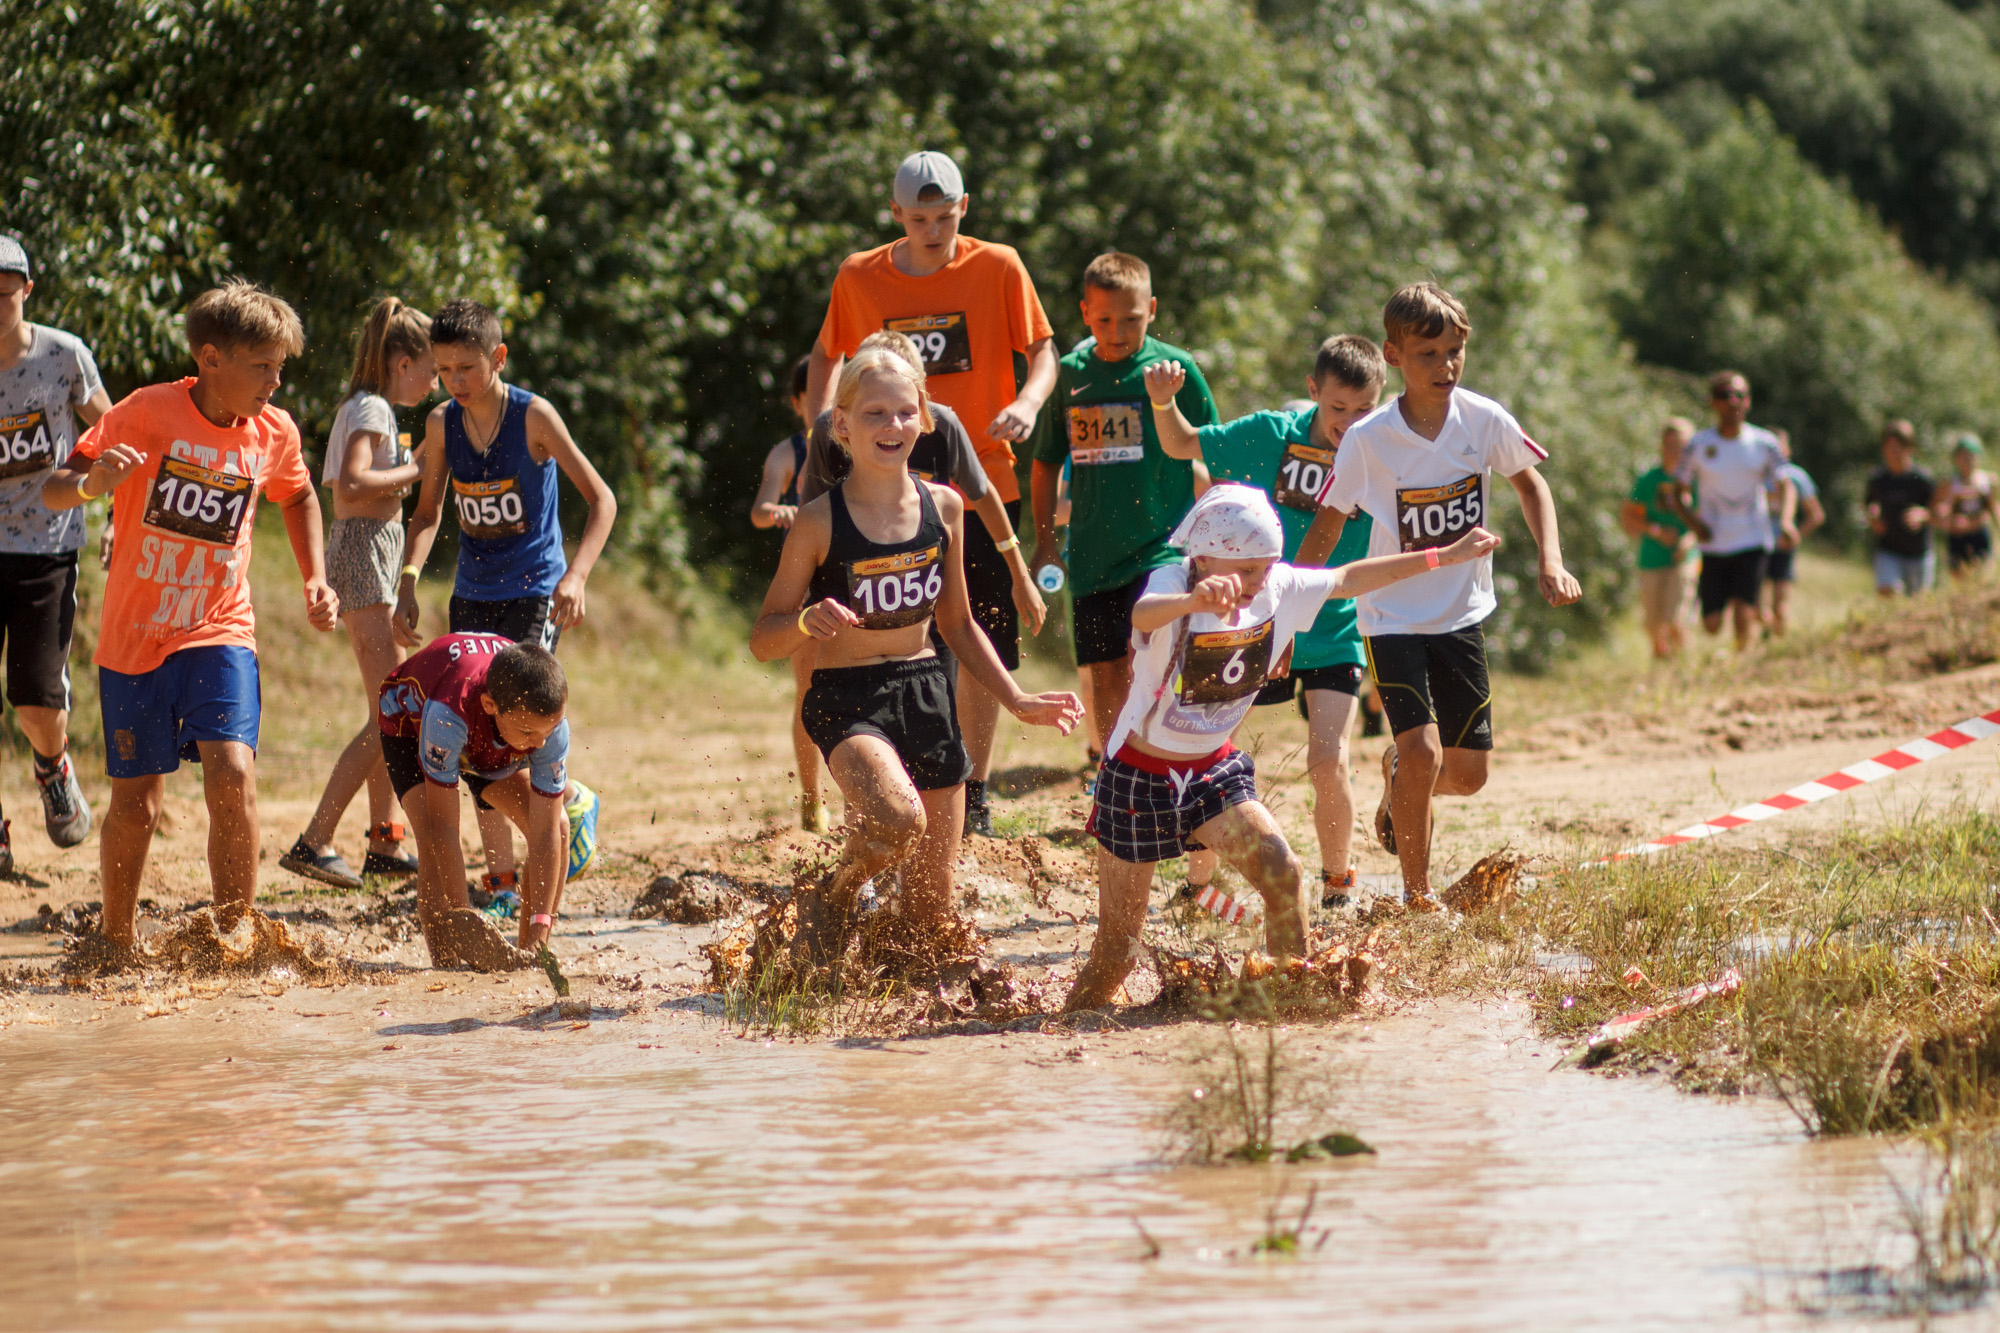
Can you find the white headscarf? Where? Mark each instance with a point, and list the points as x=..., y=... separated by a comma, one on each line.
x=1231, y=522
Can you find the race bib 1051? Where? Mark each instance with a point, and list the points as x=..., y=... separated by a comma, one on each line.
x=195, y=502
x=891, y=591
x=1432, y=516
x=942, y=340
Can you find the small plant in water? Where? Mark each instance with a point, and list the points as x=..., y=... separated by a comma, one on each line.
x=1952, y=1214
x=1284, y=1235
x=1251, y=1100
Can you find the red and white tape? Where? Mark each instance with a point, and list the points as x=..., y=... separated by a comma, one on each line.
x=1907, y=755
x=1231, y=910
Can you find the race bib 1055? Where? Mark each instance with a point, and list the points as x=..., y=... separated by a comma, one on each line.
x=1432, y=516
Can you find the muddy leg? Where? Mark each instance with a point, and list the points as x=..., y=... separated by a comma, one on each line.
x=1122, y=887
x=122, y=845
x=1249, y=839
x=1330, y=717
x=885, y=816
x=229, y=784
x=931, y=870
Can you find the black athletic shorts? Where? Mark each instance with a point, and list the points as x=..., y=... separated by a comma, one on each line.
x=1960, y=549
x=1342, y=679
x=990, y=587
x=907, y=704
x=38, y=615
x=1778, y=567
x=406, y=770
x=1101, y=622
x=1435, y=678
x=1736, y=576
x=522, y=619
x=1150, y=813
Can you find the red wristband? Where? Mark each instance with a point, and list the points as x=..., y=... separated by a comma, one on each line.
x=1431, y=557
x=541, y=919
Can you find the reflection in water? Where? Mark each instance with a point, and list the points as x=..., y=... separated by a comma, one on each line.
x=501, y=1178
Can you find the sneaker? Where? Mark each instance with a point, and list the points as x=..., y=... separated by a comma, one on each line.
x=582, y=814
x=385, y=866
x=1385, y=826
x=814, y=818
x=6, y=847
x=979, y=819
x=1336, y=892
x=326, y=867
x=64, y=810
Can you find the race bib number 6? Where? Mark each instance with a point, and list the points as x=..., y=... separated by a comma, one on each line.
x=892, y=591
x=25, y=446
x=1106, y=433
x=942, y=341
x=490, y=510
x=195, y=502
x=1302, y=475
x=1433, y=516
x=1222, y=665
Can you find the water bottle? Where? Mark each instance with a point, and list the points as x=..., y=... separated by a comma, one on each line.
x=1049, y=578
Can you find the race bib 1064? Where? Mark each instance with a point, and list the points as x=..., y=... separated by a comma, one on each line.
x=1302, y=476
x=195, y=502
x=1433, y=516
x=1221, y=665
x=891, y=591
x=25, y=445
x=1102, y=433
x=490, y=510
x=942, y=340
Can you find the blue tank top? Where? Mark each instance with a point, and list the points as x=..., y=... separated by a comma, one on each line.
x=510, y=542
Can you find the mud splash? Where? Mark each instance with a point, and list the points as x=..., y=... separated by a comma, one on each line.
x=207, y=942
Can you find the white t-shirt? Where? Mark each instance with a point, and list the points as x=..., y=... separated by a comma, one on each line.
x=1423, y=494
x=38, y=430
x=1222, y=665
x=1730, y=478
x=362, y=411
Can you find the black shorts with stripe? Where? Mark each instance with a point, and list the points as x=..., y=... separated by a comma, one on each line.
x=1435, y=679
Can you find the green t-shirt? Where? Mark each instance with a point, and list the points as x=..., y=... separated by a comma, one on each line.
x=1125, y=495
x=1646, y=491
x=1275, y=452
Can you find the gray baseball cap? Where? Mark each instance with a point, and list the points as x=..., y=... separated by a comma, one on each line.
x=13, y=259
x=928, y=171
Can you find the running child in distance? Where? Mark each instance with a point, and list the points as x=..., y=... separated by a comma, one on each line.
x=1209, y=629
x=970, y=307
x=1899, y=497
x=490, y=709
x=1666, y=547
x=1127, y=493
x=865, y=569
x=1725, y=484
x=776, y=505
x=1418, y=466
x=502, y=447
x=1781, y=573
x=369, y=469
x=1965, y=508
x=1289, y=455
x=177, y=648
x=48, y=382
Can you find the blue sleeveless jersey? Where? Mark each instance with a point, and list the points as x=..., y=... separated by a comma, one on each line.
x=510, y=542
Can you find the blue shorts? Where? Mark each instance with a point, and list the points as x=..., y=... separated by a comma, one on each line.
x=154, y=720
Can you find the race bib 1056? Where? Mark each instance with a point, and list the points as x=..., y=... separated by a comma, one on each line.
x=195, y=502
x=1433, y=516
x=1221, y=665
x=490, y=510
x=25, y=445
x=891, y=591
x=1302, y=476
x=942, y=340
x=1102, y=433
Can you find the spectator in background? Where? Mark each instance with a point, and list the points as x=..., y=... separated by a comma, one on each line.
x=1899, y=498
x=1665, y=544
x=1727, y=476
x=1781, y=572
x=1964, y=508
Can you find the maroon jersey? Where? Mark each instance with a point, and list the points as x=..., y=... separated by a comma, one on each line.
x=434, y=696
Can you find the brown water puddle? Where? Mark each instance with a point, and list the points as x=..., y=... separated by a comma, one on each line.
x=248, y=1176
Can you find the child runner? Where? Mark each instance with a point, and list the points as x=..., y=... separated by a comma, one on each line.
x=491, y=709
x=1665, y=544
x=970, y=307
x=865, y=569
x=502, y=446
x=1781, y=571
x=1899, y=499
x=368, y=466
x=1126, y=492
x=1723, y=491
x=777, y=503
x=1964, y=508
x=1209, y=629
x=1418, y=466
x=177, y=648
x=47, y=381
x=1289, y=455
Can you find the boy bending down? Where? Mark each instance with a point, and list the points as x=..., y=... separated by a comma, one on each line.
x=491, y=709
x=1207, y=631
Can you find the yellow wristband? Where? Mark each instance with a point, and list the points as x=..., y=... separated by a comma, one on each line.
x=411, y=571
x=1162, y=407
x=802, y=621
x=81, y=493
x=1012, y=543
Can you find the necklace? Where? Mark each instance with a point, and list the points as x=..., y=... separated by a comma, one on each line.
x=480, y=446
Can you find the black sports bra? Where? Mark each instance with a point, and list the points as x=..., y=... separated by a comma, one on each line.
x=888, y=584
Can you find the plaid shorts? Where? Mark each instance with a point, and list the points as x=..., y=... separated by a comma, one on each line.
x=1149, y=814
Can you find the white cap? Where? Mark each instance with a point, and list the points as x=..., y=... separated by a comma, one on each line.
x=928, y=171
x=13, y=259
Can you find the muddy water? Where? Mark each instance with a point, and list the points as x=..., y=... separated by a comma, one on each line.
x=217, y=1177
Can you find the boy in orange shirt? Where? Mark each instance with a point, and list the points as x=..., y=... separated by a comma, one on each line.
x=177, y=647
x=969, y=306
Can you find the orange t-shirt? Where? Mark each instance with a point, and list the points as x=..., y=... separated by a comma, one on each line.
x=968, y=319
x=180, y=535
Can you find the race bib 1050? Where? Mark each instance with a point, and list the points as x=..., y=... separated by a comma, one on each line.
x=490, y=510
x=1432, y=516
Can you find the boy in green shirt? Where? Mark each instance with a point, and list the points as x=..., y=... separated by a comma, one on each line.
x=1664, y=544
x=1290, y=455
x=1126, y=493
